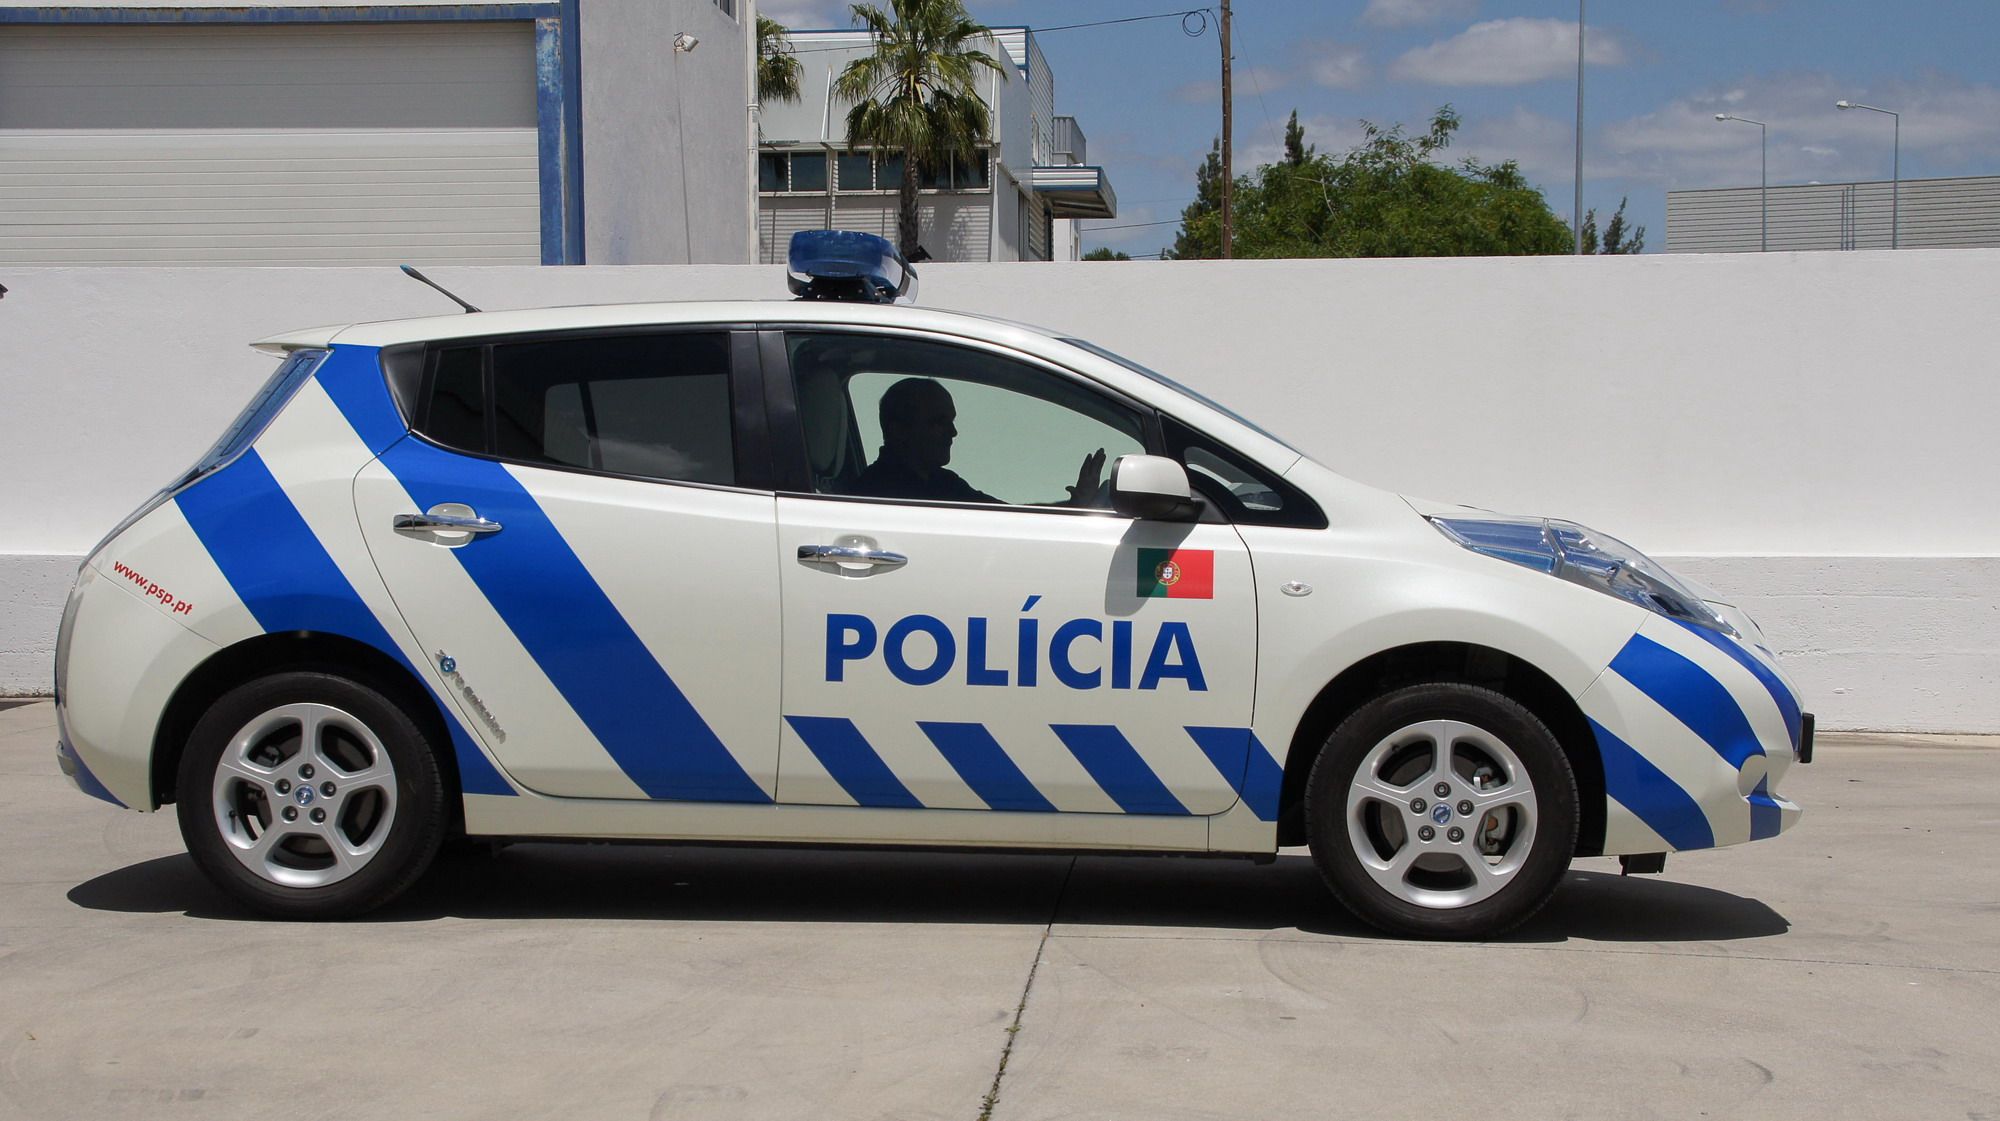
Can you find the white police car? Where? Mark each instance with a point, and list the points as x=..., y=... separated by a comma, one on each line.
x=837, y=571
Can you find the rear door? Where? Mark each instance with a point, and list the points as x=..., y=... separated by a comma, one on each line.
x=582, y=534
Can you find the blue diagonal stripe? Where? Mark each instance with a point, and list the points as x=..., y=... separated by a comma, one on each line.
x=1116, y=766
x=1694, y=697
x=1652, y=797
x=1788, y=705
x=1246, y=764
x=287, y=580
x=851, y=760
x=985, y=766
x=1765, y=817
x=563, y=619
x=352, y=377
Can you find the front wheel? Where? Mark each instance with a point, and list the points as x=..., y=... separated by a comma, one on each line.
x=306, y=795
x=1442, y=811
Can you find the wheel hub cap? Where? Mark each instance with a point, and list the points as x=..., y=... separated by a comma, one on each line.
x=1403, y=843
x=256, y=808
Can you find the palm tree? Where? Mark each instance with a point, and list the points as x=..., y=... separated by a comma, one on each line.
x=778, y=71
x=915, y=93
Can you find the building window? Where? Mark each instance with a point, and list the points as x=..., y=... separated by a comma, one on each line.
x=728, y=7
x=791, y=171
x=862, y=171
x=808, y=171
x=771, y=174
x=857, y=171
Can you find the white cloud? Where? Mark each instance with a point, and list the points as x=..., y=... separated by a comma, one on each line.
x=1507, y=52
x=1950, y=126
x=1408, y=13
x=807, y=15
x=1337, y=66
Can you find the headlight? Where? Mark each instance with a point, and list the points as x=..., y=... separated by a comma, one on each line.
x=1583, y=556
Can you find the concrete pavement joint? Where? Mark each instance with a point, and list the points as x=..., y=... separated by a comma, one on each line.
x=1543, y=949
x=993, y=1093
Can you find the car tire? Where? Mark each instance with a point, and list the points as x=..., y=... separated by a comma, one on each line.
x=306, y=795
x=1415, y=863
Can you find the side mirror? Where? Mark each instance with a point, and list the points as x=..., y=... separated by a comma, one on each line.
x=1152, y=487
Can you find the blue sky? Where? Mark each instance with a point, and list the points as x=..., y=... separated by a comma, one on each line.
x=1147, y=95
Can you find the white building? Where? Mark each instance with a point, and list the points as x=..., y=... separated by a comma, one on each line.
x=1020, y=201
x=355, y=132
x=1956, y=213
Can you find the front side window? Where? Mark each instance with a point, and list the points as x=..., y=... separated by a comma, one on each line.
x=908, y=419
x=1245, y=493
x=651, y=406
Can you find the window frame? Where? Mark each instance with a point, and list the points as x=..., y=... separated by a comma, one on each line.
x=793, y=472
x=750, y=437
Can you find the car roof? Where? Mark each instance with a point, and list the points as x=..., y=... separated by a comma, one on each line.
x=665, y=313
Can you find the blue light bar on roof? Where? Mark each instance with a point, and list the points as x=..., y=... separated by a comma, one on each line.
x=846, y=265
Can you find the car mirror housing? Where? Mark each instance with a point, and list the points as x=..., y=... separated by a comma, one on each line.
x=1152, y=487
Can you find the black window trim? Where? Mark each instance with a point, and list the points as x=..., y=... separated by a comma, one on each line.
x=794, y=475
x=750, y=435
x=1308, y=514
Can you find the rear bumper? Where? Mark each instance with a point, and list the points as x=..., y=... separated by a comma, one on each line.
x=124, y=660
x=76, y=770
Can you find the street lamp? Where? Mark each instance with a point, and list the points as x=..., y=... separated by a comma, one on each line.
x=1763, y=179
x=1896, y=183
x=1576, y=215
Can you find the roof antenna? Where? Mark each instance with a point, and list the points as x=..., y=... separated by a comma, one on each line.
x=415, y=275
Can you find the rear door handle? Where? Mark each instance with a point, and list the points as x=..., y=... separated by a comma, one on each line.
x=851, y=554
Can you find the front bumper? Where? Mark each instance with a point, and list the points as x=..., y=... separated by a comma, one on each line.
x=1696, y=730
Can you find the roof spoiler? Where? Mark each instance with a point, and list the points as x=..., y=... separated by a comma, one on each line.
x=312, y=338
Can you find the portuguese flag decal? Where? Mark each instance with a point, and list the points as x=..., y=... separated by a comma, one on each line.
x=1177, y=573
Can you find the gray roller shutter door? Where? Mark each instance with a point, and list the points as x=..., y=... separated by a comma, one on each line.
x=325, y=144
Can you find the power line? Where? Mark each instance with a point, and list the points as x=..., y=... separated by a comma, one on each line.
x=1133, y=225
x=1191, y=29
x=1194, y=24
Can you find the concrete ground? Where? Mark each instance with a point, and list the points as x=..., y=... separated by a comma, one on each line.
x=1850, y=968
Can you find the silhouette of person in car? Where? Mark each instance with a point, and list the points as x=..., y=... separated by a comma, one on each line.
x=919, y=422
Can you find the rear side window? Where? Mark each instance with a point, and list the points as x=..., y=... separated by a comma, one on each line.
x=456, y=416
x=249, y=424
x=651, y=406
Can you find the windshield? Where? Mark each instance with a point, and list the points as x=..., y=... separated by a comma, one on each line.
x=1177, y=387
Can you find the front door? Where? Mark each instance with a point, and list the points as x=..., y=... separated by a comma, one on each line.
x=608, y=615
x=968, y=627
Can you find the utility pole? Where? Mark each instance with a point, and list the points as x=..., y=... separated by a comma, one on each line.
x=1576, y=211
x=1228, y=165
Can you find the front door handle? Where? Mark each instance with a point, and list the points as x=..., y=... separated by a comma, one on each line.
x=430, y=523
x=851, y=554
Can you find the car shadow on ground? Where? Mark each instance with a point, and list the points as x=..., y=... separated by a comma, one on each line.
x=718, y=884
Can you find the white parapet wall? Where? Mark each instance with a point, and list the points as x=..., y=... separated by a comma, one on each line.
x=1816, y=433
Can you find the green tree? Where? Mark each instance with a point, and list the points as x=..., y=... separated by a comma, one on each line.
x=778, y=71
x=1106, y=253
x=1296, y=151
x=1615, y=239
x=1201, y=220
x=1391, y=196
x=916, y=92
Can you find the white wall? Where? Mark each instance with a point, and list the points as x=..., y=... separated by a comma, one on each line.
x=1815, y=431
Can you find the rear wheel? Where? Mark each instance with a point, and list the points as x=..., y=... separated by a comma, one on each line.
x=307, y=795
x=1442, y=811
